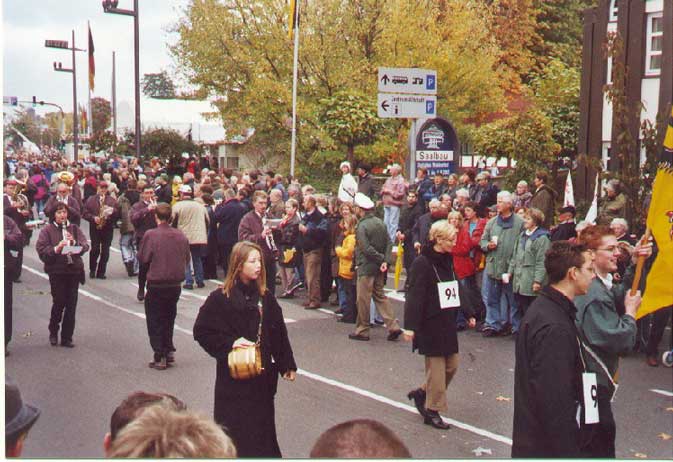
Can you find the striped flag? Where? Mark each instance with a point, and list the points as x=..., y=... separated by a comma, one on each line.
x=658, y=290
x=292, y=19
x=92, y=63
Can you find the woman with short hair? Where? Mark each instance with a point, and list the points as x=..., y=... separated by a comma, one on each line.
x=237, y=315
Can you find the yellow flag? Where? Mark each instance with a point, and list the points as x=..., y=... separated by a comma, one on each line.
x=659, y=289
x=292, y=18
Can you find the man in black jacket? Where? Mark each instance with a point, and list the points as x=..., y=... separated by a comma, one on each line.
x=566, y=227
x=13, y=243
x=228, y=216
x=408, y=218
x=548, y=374
x=313, y=232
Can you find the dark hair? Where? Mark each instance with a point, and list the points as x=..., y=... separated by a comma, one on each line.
x=536, y=215
x=471, y=174
x=360, y=439
x=206, y=189
x=561, y=256
x=592, y=235
x=541, y=175
x=60, y=206
x=471, y=204
x=208, y=199
x=130, y=408
x=163, y=211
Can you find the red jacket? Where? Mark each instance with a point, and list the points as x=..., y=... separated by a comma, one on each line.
x=464, y=264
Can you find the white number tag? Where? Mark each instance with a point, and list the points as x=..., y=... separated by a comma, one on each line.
x=448, y=294
x=590, y=389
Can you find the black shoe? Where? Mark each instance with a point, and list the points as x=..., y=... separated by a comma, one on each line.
x=418, y=396
x=67, y=344
x=53, y=339
x=17, y=281
x=394, y=335
x=339, y=311
x=379, y=323
x=360, y=337
x=160, y=365
x=140, y=295
x=433, y=419
x=286, y=295
x=346, y=320
x=129, y=269
x=461, y=327
x=490, y=332
x=92, y=275
x=101, y=276
x=200, y=285
x=188, y=286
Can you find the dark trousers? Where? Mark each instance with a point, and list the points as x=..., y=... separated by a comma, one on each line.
x=601, y=436
x=472, y=295
x=326, y=278
x=270, y=264
x=143, y=268
x=100, y=247
x=210, y=260
x=224, y=251
x=64, y=295
x=161, y=308
x=523, y=302
x=659, y=320
x=19, y=265
x=9, y=281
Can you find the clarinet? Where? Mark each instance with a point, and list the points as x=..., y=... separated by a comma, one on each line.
x=64, y=233
x=270, y=243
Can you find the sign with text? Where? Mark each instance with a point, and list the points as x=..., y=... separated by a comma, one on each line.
x=407, y=80
x=436, y=143
x=402, y=106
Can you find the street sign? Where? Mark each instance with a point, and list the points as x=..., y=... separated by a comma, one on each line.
x=436, y=143
x=13, y=100
x=402, y=106
x=56, y=43
x=407, y=80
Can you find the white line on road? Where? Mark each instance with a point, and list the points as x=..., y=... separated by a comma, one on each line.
x=662, y=392
x=390, y=293
x=316, y=377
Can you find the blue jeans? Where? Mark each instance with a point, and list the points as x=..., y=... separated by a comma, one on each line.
x=500, y=298
x=391, y=218
x=127, y=245
x=346, y=292
x=373, y=313
x=197, y=251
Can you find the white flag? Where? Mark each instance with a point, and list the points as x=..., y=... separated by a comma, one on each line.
x=569, y=198
x=592, y=214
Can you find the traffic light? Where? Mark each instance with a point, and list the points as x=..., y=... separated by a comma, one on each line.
x=34, y=101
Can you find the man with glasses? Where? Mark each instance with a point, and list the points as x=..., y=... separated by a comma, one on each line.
x=607, y=327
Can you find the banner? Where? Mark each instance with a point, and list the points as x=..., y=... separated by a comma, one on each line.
x=92, y=63
x=592, y=214
x=569, y=198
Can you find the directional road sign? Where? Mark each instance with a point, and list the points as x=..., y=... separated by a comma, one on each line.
x=407, y=80
x=402, y=106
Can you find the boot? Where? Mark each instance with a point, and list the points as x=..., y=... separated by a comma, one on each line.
x=129, y=268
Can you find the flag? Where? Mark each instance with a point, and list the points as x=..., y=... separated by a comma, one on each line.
x=83, y=120
x=92, y=63
x=292, y=18
x=659, y=290
x=399, y=264
x=569, y=198
x=592, y=214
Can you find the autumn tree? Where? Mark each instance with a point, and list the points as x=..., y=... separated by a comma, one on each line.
x=101, y=115
x=158, y=85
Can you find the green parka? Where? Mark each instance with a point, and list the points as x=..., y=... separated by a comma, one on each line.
x=372, y=246
x=497, y=260
x=527, y=263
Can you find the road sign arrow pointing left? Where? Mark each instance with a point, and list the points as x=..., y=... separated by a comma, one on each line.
x=385, y=105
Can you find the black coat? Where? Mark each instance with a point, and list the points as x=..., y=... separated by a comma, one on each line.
x=434, y=328
x=547, y=380
x=228, y=216
x=245, y=407
x=563, y=232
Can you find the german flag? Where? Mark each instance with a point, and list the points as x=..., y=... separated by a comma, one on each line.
x=292, y=19
x=659, y=290
x=92, y=63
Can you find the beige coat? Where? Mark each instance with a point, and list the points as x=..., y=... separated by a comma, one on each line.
x=192, y=219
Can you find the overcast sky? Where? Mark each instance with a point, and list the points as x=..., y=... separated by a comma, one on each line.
x=27, y=64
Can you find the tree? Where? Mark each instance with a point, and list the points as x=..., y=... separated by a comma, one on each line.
x=525, y=137
x=560, y=26
x=102, y=141
x=101, y=115
x=158, y=85
x=166, y=144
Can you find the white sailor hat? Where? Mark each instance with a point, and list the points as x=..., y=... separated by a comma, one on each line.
x=363, y=202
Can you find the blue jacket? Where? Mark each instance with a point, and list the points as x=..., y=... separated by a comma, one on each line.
x=228, y=216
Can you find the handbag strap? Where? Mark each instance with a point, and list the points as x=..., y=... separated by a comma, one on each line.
x=259, y=328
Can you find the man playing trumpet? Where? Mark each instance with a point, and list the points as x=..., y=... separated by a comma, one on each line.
x=63, y=196
x=101, y=211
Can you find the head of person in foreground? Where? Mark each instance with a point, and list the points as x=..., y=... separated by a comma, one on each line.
x=359, y=439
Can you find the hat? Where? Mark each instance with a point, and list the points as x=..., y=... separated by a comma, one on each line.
x=185, y=188
x=365, y=166
x=363, y=202
x=346, y=163
x=102, y=184
x=567, y=209
x=19, y=416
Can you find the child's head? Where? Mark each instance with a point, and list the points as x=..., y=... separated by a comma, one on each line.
x=348, y=224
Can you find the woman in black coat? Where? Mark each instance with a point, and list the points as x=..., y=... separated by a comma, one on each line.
x=431, y=323
x=65, y=271
x=230, y=317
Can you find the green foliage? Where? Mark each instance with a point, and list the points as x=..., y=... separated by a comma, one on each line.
x=158, y=85
x=560, y=27
x=102, y=141
x=525, y=137
x=101, y=115
x=166, y=144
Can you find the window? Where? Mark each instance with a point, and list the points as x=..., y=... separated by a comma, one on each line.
x=614, y=9
x=232, y=162
x=655, y=40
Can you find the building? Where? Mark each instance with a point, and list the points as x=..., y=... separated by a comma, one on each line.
x=646, y=30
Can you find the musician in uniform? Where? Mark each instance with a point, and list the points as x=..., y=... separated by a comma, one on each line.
x=143, y=219
x=101, y=211
x=13, y=243
x=17, y=207
x=63, y=195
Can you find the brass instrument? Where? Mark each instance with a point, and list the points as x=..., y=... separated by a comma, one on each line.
x=102, y=218
x=20, y=199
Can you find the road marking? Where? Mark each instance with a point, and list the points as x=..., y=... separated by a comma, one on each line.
x=662, y=392
x=390, y=293
x=325, y=310
x=216, y=281
x=405, y=407
x=320, y=378
x=137, y=287
x=115, y=250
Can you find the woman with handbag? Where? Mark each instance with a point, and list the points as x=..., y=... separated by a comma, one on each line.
x=430, y=313
x=286, y=236
x=65, y=270
x=241, y=325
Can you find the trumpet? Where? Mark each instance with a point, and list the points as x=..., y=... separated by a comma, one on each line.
x=67, y=237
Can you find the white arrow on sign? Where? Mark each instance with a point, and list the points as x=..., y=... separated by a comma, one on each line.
x=407, y=80
x=403, y=106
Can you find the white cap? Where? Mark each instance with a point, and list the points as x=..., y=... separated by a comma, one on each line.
x=346, y=163
x=185, y=188
x=363, y=202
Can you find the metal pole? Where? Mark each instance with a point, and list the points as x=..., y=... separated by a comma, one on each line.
x=136, y=52
x=75, y=128
x=293, y=149
x=114, y=97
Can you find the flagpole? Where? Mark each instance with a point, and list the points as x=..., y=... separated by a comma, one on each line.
x=114, y=98
x=88, y=123
x=294, y=89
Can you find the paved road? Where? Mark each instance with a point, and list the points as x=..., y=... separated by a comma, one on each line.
x=339, y=379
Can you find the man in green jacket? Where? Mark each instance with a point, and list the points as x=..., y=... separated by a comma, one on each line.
x=497, y=242
x=373, y=253
x=605, y=333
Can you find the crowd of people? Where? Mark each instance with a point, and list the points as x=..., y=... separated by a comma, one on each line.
x=474, y=256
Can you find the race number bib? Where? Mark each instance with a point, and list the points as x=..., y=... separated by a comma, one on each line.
x=590, y=390
x=448, y=294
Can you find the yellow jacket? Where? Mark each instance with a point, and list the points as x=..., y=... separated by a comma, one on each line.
x=345, y=253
